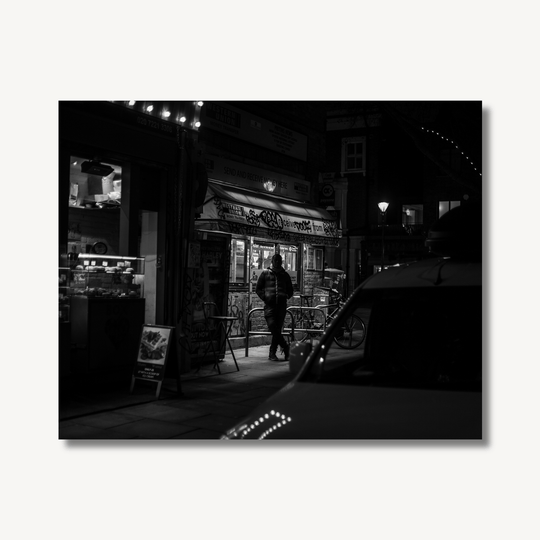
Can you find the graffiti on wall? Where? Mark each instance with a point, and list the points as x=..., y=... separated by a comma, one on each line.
x=279, y=227
x=236, y=306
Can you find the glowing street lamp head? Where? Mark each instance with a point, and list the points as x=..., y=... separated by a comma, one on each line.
x=383, y=206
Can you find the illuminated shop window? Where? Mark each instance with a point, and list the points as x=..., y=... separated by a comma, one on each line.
x=94, y=184
x=444, y=206
x=290, y=256
x=261, y=258
x=290, y=261
x=412, y=214
x=313, y=258
x=95, y=198
x=238, y=261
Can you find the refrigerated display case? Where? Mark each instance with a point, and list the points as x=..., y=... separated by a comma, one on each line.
x=107, y=313
x=107, y=276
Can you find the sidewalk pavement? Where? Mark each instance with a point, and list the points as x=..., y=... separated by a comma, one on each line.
x=208, y=405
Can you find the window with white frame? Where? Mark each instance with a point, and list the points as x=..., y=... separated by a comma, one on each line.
x=444, y=206
x=353, y=154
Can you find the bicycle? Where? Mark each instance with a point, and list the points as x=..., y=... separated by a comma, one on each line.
x=306, y=323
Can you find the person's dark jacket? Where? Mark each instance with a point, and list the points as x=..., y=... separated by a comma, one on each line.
x=274, y=286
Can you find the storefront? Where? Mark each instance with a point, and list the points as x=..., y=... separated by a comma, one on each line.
x=120, y=221
x=262, y=223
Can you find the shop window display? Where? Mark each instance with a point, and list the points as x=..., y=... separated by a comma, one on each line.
x=94, y=200
x=94, y=184
x=238, y=261
x=313, y=258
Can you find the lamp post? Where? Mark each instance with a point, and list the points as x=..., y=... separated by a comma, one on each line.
x=383, y=206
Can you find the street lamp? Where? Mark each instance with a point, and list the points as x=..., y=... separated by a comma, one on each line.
x=383, y=206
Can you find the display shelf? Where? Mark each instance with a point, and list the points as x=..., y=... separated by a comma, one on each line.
x=107, y=276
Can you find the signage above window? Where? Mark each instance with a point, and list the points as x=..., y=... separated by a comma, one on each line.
x=257, y=179
x=256, y=130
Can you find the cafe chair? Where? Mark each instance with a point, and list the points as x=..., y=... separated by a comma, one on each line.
x=219, y=328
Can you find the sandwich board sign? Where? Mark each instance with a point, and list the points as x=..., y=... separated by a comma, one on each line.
x=152, y=355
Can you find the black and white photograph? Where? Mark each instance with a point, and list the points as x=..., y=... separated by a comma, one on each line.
x=296, y=270
x=338, y=293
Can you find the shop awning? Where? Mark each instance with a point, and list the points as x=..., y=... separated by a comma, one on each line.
x=249, y=214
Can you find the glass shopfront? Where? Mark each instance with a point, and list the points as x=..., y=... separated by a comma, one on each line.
x=261, y=258
x=250, y=256
x=261, y=225
x=238, y=261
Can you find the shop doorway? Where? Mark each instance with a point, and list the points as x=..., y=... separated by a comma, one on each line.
x=148, y=249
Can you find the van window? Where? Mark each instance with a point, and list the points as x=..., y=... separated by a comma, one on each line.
x=416, y=337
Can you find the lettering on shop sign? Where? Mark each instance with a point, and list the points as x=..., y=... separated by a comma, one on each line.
x=304, y=226
x=253, y=177
x=274, y=220
x=284, y=138
x=223, y=115
x=154, y=124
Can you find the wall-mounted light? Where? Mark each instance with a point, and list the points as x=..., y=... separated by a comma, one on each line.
x=270, y=185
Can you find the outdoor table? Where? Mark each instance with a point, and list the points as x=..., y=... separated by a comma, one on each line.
x=225, y=322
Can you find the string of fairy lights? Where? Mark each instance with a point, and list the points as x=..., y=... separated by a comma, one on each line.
x=444, y=138
x=163, y=110
x=279, y=420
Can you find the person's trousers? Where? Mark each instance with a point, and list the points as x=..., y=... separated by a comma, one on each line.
x=275, y=317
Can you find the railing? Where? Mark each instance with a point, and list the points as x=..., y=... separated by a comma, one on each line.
x=287, y=330
x=413, y=229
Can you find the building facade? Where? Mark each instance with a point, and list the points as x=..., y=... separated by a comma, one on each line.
x=422, y=158
x=263, y=161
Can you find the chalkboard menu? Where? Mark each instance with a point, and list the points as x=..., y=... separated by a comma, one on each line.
x=152, y=354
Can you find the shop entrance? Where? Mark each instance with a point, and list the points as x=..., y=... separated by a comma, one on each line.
x=149, y=250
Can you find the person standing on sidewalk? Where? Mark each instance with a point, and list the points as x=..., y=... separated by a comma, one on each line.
x=274, y=288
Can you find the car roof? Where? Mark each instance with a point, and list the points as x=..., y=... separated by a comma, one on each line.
x=439, y=272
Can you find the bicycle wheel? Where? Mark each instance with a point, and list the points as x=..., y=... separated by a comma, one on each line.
x=300, y=331
x=353, y=333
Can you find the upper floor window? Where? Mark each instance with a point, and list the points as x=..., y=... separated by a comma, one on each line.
x=452, y=158
x=412, y=214
x=444, y=206
x=353, y=154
